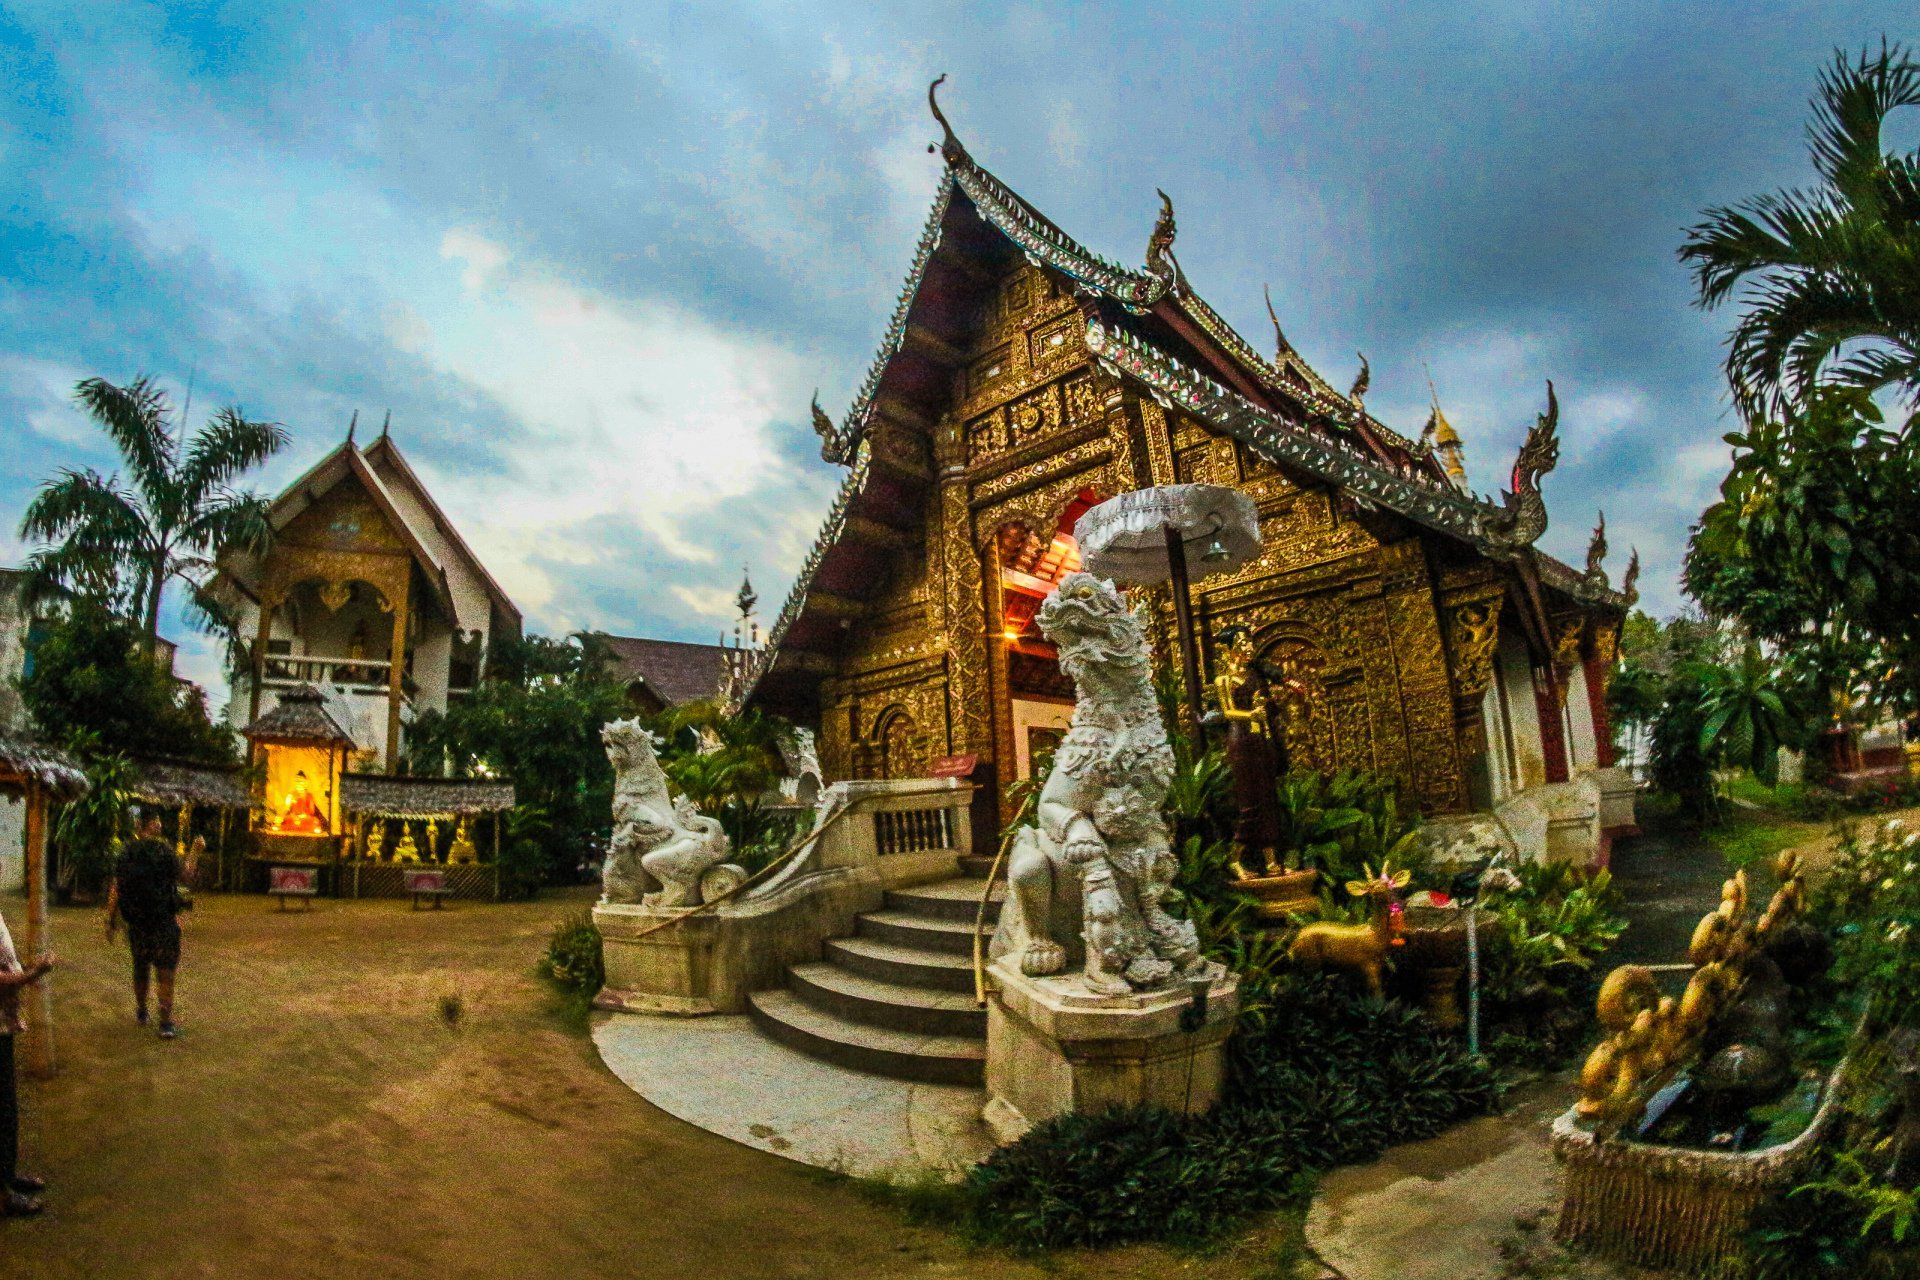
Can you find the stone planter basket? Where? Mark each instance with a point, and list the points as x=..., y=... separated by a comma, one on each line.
x=1677, y=1208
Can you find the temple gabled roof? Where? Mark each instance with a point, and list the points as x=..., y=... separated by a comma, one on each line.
x=1146, y=325
x=348, y=462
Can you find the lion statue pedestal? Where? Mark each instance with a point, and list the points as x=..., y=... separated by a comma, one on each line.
x=664, y=859
x=1101, y=996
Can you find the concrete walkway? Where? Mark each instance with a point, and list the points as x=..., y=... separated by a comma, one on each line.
x=722, y=1074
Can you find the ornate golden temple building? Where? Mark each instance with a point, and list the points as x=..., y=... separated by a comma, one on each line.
x=1414, y=626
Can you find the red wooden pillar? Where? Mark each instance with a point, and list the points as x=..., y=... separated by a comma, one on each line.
x=1549, y=703
x=1597, y=673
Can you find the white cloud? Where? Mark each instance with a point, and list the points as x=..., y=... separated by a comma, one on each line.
x=638, y=414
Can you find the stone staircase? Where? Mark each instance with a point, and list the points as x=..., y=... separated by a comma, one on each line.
x=896, y=998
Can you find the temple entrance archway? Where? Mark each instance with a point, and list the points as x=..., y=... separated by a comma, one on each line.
x=1033, y=699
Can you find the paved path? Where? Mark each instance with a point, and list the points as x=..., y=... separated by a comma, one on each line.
x=322, y=1119
x=1454, y=1207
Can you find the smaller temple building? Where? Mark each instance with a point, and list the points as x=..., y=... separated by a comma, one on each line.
x=369, y=595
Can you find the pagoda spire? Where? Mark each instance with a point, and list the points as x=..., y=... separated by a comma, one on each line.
x=1446, y=440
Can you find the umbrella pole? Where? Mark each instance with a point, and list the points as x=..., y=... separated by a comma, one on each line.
x=1183, y=623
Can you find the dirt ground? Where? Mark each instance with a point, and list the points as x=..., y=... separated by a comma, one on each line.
x=321, y=1118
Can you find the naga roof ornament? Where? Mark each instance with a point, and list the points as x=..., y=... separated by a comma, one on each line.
x=1630, y=580
x=1597, y=553
x=1161, y=264
x=1522, y=516
x=1361, y=381
x=832, y=447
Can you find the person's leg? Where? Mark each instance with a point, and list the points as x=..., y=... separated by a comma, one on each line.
x=140, y=974
x=164, y=983
x=9, y=1117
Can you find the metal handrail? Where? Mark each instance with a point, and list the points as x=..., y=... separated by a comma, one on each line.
x=980, y=917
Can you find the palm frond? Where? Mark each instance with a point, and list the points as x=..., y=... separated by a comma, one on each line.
x=228, y=445
x=135, y=418
x=87, y=504
x=1855, y=98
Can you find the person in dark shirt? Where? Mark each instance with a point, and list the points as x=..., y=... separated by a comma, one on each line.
x=146, y=896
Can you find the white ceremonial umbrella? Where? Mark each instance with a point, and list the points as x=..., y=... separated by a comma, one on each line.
x=1154, y=535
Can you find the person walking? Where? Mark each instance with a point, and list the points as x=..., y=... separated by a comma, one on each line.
x=19, y=1193
x=146, y=896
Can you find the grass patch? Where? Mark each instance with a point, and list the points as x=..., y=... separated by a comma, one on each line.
x=1749, y=838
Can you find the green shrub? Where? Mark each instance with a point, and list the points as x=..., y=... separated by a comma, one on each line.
x=1318, y=1077
x=574, y=958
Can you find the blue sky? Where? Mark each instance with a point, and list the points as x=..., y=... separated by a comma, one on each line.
x=594, y=258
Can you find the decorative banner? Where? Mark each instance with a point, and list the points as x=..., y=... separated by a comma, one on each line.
x=425, y=880
x=301, y=881
x=956, y=766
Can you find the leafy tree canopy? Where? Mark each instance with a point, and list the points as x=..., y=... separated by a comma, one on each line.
x=1814, y=546
x=94, y=685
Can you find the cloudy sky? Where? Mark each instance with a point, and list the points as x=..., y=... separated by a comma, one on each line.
x=594, y=257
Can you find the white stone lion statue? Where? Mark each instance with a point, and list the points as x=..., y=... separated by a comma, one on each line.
x=1089, y=881
x=661, y=847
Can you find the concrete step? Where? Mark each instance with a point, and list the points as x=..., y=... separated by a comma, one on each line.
x=904, y=966
x=978, y=866
x=932, y=1059
x=948, y=900
x=849, y=995
x=927, y=933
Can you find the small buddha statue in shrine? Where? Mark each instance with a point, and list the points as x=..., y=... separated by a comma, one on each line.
x=1251, y=759
x=302, y=816
x=406, y=850
x=461, y=851
x=433, y=840
x=376, y=839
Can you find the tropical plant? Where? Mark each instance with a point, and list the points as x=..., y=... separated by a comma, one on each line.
x=1676, y=765
x=574, y=960
x=88, y=828
x=124, y=542
x=1814, y=546
x=1746, y=720
x=1828, y=272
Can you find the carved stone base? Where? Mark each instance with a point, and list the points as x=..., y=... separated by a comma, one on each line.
x=669, y=970
x=1054, y=1046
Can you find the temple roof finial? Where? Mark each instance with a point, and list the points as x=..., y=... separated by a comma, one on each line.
x=1361, y=381
x=1597, y=554
x=352, y=422
x=1282, y=349
x=949, y=146
x=386, y=424
x=1160, y=261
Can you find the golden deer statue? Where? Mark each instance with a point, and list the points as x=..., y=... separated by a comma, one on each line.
x=1363, y=948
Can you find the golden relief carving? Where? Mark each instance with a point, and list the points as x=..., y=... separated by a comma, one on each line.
x=1086, y=456
x=1153, y=424
x=1606, y=646
x=1473, y=636
x=964, y=604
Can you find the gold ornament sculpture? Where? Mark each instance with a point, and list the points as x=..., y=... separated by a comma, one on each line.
x=461, y=851
x=433, y=840
x=1363, y=948
x=376, y=839
x=1650, y=1036
x=406, y=850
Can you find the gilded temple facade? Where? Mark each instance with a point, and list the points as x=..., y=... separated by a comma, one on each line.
x=1406, y=625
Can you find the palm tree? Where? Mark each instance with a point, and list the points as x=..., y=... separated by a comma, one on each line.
x=1832, y=273
x=124, y=542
